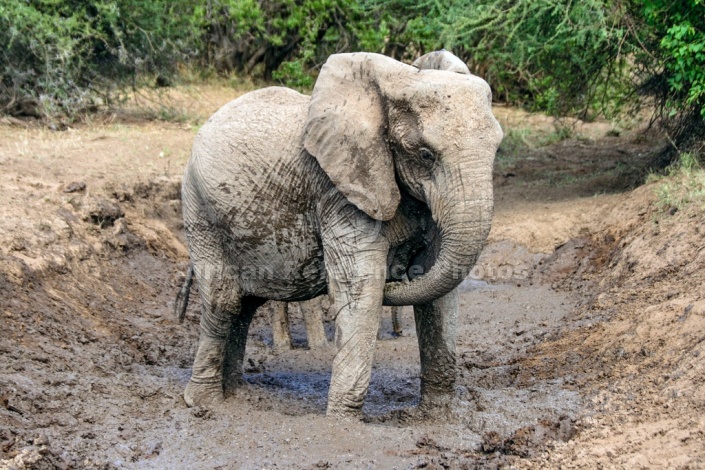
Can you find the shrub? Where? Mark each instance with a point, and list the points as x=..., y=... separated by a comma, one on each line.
x=563, y=57
x=62, y=57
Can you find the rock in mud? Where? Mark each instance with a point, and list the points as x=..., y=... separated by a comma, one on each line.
x=526, y=441
x=76, y=186
x=103, y=213
x=202, y=412
x=38, y=456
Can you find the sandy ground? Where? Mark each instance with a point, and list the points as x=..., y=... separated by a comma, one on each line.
x=581, y=338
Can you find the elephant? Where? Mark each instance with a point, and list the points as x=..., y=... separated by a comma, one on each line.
x=395, y=313
x=376, y=189
x=312, y=313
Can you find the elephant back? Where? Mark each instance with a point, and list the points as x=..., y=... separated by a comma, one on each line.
x=249, y=150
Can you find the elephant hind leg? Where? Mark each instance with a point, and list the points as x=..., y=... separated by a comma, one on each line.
x=221, y=302
x=225, y=319
x=236, y=342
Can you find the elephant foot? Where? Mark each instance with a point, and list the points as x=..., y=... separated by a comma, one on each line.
x=233, y=383
x=434, y=402
x=344, y=413
x=199, y=394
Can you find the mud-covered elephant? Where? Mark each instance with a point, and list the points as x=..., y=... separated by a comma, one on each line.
x=376, y=189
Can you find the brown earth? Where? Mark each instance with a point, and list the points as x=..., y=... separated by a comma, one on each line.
x=581, y=342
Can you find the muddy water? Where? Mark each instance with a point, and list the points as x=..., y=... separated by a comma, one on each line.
x=278, y=418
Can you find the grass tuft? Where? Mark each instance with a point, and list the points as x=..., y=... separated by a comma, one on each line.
x=684, y=184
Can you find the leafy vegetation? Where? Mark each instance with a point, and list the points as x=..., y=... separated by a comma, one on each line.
x=281, y=39
x=63, y=57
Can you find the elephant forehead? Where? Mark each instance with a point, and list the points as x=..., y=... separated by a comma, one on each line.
x=456, y=124
x=443, y=85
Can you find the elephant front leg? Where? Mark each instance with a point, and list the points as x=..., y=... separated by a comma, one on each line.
x=436, y=328
x=356, y=301
x=355, y=254
x=356, y=327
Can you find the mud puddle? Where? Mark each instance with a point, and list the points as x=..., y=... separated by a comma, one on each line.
x=115, y=401
x=278, y=419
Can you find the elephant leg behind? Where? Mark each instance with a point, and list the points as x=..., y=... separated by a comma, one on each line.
x=395, y=314
x=312, y=312
x=436, y=329
x=396, y=320
x=225, y=319
x=281, y=335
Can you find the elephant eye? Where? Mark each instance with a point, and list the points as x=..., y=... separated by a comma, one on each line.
x=427, y=155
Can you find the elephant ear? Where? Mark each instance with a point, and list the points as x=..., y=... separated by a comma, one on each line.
x=346, y=131
x=441, y=60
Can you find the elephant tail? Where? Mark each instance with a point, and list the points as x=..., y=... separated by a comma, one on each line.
x=181, y=302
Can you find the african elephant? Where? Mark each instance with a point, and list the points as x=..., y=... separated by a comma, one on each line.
x=377, y=189
x=312, y=313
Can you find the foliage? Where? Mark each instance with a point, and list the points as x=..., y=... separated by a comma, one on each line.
x=670, y=66
x=281, y=39
x=672, y=36
x=406, y=28
x=61, y=57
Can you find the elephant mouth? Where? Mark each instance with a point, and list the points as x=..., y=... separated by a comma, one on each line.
x=463, y=221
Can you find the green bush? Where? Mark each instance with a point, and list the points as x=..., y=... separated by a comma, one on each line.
x=670, y=66
x=63, y=57
x=285, y=40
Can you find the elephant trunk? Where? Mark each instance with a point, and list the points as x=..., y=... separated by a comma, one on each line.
x=461, y=204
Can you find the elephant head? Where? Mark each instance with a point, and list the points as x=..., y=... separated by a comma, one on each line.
x=380, y=129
